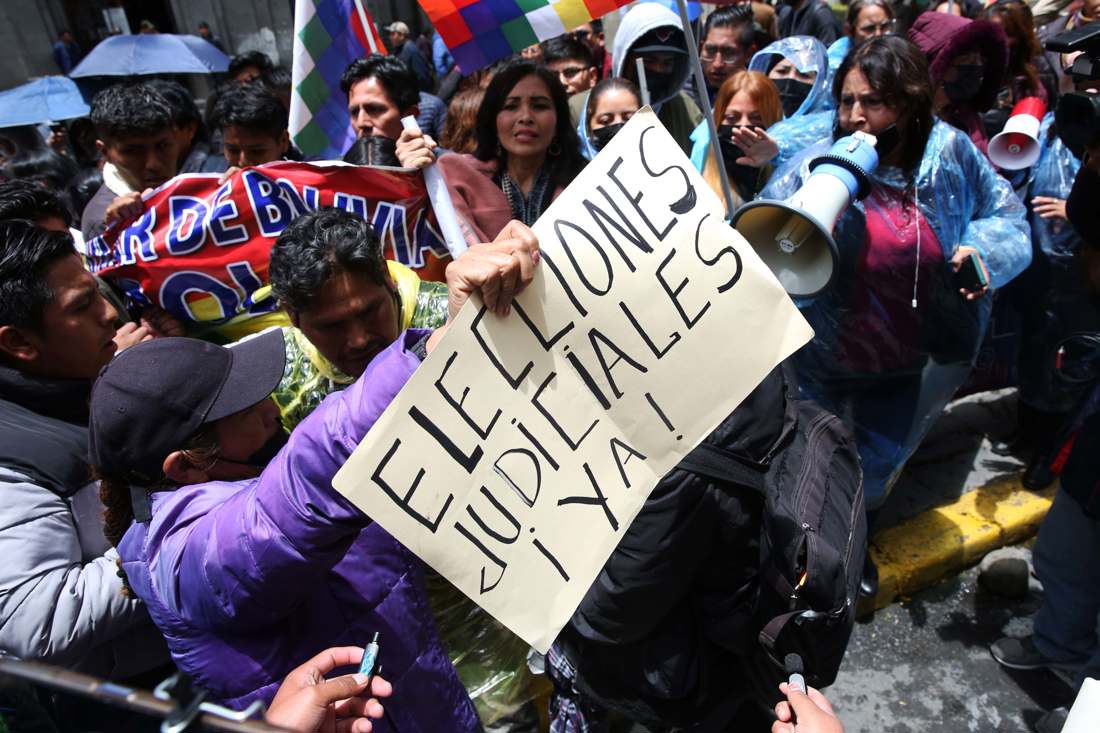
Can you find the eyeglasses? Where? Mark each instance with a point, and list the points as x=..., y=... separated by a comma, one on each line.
x=728, y=54
x=570, y=71
x=581, y=35
x=885, y=26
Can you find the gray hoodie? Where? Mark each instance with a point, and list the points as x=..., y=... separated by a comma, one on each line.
x=674, y=108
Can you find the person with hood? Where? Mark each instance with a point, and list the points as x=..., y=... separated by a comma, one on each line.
x=610, y=105
x=653, y=33
x=967, y=61
x=799, y=68
x=896, y=335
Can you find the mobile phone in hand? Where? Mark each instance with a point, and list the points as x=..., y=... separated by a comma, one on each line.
x=971, y=276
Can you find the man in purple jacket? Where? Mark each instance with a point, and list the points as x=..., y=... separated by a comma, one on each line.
x=249, y=577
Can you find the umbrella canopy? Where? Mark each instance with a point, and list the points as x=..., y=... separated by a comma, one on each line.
x=154, y=53
x=50, y=98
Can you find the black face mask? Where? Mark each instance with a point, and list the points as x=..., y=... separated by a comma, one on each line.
x=268, y=450
x=659, y=85
x=793, y=93
x=966, y=85
x=602, y=136
x=887, y=141
x=744, y=177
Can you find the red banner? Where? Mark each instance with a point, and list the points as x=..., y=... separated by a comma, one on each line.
x=202, y=249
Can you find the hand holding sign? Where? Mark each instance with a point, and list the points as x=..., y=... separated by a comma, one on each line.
x=523, y=447
x=497, y=271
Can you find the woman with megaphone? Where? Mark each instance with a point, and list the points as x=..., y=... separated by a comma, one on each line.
x=897, y=332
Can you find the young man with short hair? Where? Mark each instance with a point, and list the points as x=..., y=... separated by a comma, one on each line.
x=62, y=601
x=381, y=90
x=572, y=61
x=346, y=301
x=136, y=133
x=254, y=125
x=729, y=41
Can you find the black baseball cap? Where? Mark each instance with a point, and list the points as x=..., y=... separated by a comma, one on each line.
x=663, y=39
x=154, y=396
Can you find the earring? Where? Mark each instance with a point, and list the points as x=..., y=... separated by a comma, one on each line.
x=554, y=149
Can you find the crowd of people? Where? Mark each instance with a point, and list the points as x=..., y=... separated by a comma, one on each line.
x=170, y=495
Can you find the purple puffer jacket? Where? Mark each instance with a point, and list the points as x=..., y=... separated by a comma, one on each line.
x=248, y=579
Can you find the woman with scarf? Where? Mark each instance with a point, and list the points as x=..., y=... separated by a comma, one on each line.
x=746, y=105
x=897, y=333
x=525, y=140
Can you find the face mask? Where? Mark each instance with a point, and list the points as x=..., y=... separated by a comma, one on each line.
x=886, y=141
x=966, y=85
x=268, y=450
x=793, y=93
x=602, y=136
x=743, y=177
x=659, y=85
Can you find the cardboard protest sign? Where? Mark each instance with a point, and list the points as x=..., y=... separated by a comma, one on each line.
x=202, y=248
x=520, y=451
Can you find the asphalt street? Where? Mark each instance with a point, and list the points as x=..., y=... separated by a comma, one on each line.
x=923, y=666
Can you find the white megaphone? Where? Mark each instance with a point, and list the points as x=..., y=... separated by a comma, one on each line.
x=1017, y=146
x=794, y=237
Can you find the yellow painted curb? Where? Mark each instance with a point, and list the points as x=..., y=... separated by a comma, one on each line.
x=918, y=552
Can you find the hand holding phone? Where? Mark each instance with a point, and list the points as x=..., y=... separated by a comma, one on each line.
x=971, y=277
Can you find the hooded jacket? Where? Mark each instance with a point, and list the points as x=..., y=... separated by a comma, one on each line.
x=61, y=599
x=963, y=202
x=943, y=38
x=248, y=578
x=674, y=108
x=808, y=55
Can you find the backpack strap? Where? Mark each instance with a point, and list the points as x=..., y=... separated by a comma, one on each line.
x=719, y=464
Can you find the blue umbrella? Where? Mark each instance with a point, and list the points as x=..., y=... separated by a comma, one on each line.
x=50, y=98
x=154, y=53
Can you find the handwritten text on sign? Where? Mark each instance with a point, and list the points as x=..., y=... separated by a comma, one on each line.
x=520, y=451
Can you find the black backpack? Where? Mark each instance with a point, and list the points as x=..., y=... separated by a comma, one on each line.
x=812, y=542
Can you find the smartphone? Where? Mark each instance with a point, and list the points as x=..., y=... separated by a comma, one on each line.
x=971, y=276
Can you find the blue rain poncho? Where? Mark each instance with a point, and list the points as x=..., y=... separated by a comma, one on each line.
x=837, y=52
x=808, y=55
x=886, y=370
x=1053, y=175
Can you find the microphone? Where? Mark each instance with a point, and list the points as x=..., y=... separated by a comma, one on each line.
x=792, y=665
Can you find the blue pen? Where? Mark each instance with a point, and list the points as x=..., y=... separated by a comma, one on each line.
x=370, y=654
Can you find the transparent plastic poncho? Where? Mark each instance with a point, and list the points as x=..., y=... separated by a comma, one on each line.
x=962, y=201
x=808, y=55
x=1053, y=175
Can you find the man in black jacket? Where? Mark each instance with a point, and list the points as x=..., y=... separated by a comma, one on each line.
x=662, y=633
